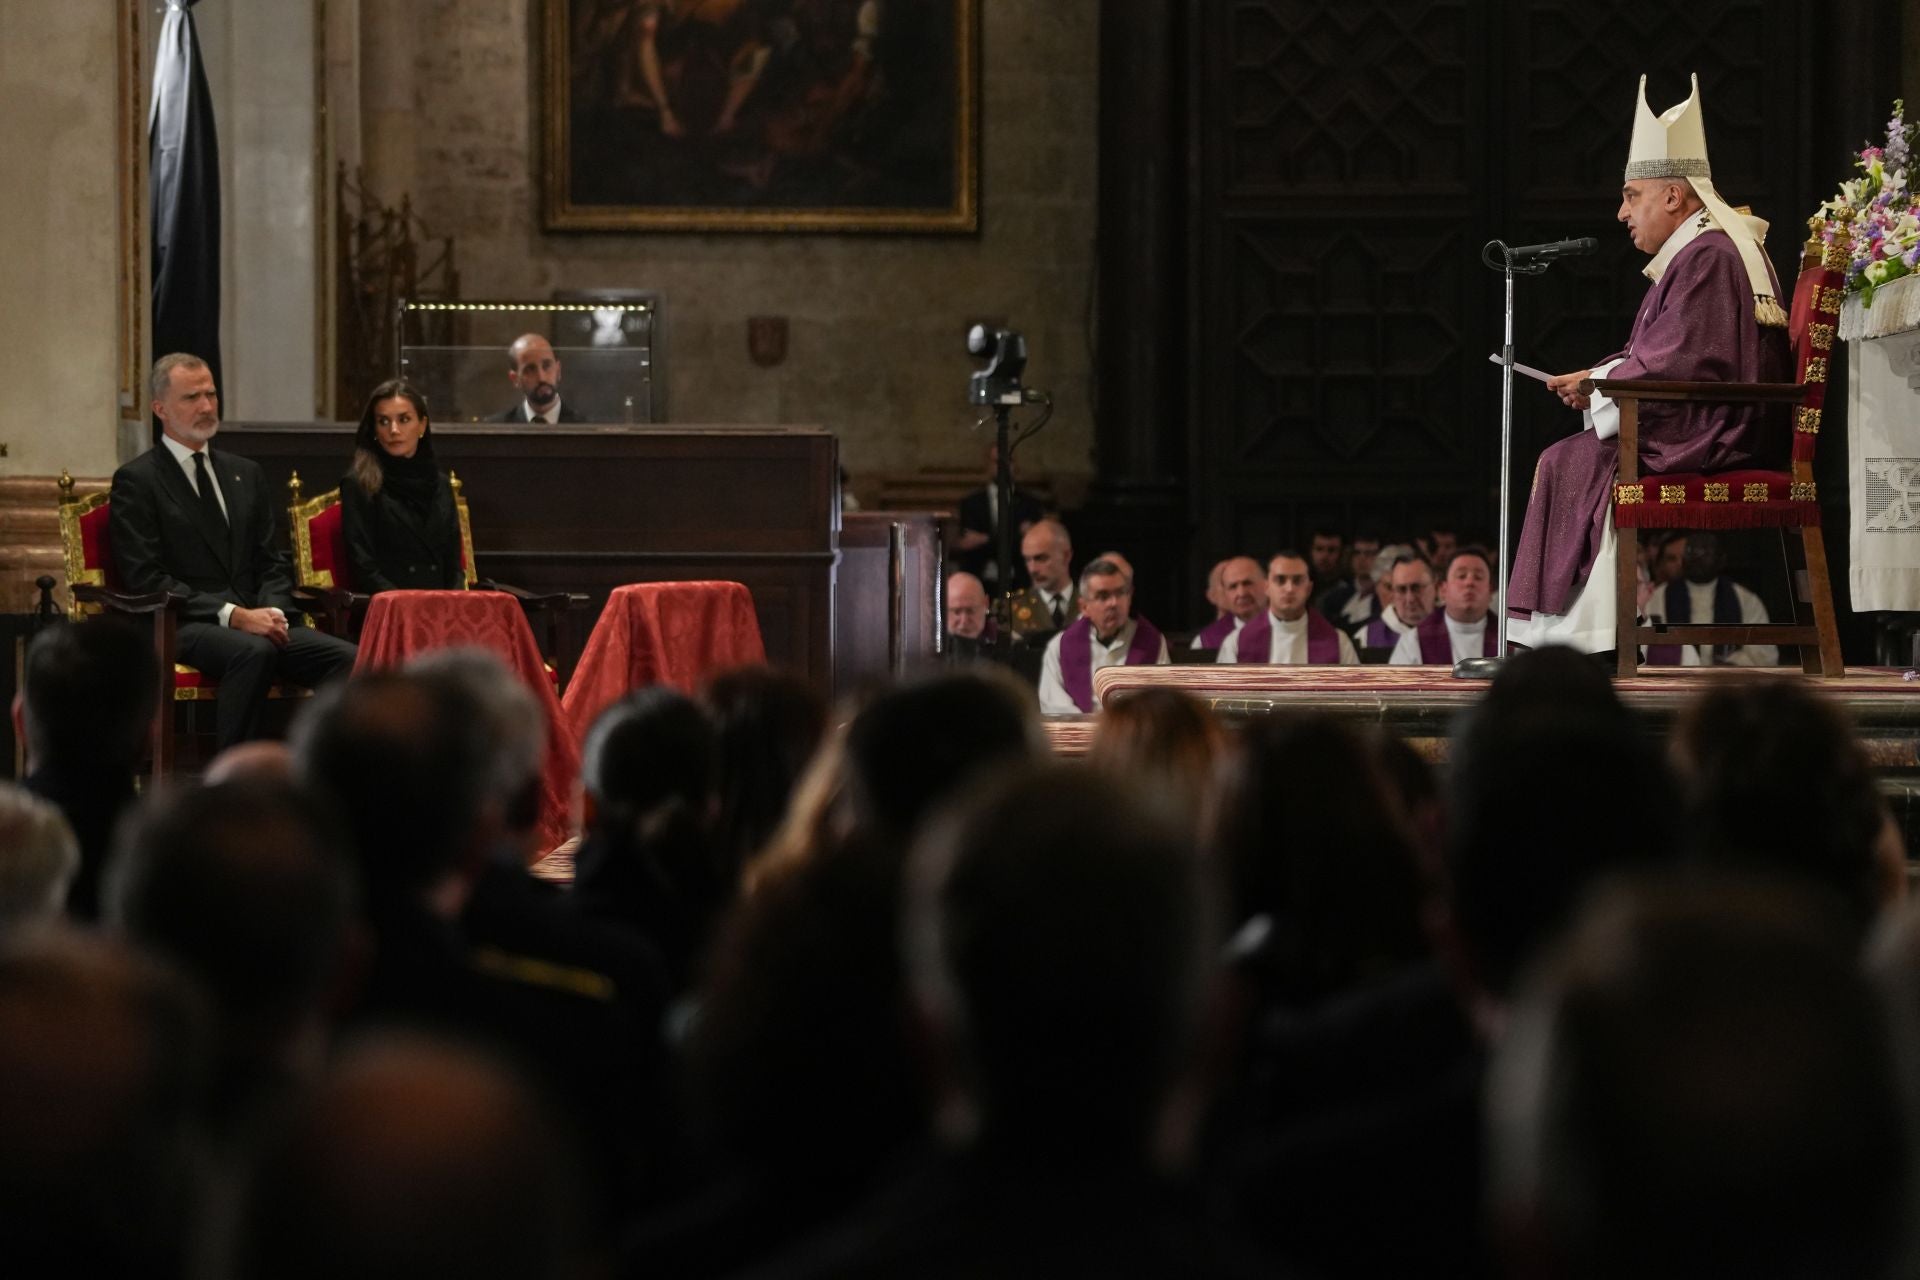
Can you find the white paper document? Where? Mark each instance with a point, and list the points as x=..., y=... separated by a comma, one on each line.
x=1527, y=369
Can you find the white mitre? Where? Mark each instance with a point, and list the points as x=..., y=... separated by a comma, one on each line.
x=1673, y=144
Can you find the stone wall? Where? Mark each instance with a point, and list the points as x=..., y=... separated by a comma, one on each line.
x=877, y=323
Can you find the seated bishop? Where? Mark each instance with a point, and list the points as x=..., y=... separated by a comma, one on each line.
x=1711, y=314
x=1105, y=635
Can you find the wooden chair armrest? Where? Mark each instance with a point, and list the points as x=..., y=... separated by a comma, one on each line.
x=532, y=602
x=126, y=602
x=1700, y=392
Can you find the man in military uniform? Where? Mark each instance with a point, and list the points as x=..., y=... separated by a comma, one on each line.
x=1051, y=603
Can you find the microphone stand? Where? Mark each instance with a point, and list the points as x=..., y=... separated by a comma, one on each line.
x=1498, y=255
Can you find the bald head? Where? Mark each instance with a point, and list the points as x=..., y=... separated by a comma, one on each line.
x=1048, y=552
x=1242, y=587
x=534, y=371
x=966, y=606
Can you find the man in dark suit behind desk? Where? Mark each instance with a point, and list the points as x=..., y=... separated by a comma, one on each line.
x=535, y=371
x=191, y=521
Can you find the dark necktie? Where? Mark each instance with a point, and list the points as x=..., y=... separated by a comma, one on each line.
x=1059, y=612
x=209, y=500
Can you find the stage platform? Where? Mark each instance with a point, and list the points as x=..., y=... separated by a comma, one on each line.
x=1420, y=703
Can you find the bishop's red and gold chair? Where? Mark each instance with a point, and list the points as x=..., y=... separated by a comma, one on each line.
x=95, y=587
x=1749, y=499
x=324, y=571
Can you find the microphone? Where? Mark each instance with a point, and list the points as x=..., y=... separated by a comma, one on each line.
x=1556, y=249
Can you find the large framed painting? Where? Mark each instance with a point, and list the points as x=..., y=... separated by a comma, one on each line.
x=762, y=115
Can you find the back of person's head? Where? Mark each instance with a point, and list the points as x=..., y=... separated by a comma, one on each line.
x=1319, y=856
x=1162, y=738
x=407, y=764
x=415, y=1159
x=1775, y=779
x=103, y=1073
x=767, y=727
x=653, y=747
x=88, y=696
x=510, y=720
x=246, y=887
x=39, y=858
x=1057, y=930
x=1701, y=1085
x=1555, y=787
x=914, y=745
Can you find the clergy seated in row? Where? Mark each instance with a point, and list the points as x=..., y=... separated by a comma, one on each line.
x=1458, y=628
x=1712, y=314
x=1351, y=601
x=1703, y=593
x=1239, y=590
x=1405, y=594
x=1105, y=635
x=1287, y=632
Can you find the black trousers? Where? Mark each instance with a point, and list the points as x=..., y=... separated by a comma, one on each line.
x=246, y=666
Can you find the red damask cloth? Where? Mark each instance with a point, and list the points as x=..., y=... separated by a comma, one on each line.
x=404, y=624
x=671, y=633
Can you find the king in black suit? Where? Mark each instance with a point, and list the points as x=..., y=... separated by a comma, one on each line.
x=216, y=548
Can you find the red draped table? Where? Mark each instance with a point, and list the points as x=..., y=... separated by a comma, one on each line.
x=670, y=633
x=404, y=624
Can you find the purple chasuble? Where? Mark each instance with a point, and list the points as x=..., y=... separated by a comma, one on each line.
x=1679, y=612
x=1256, y=638
x=1379, y=635
x=1696, y=325
x=1076, y=656
x=1436, y=642
x=1216, y=632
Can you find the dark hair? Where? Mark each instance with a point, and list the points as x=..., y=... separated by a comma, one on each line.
x=1059, y=925
x=89, y=691
x=407, y=763
x=367, y=452
x=1165, y=739
x=915, y=745
x=1478, y=553
x=767, y=726
x=245, y=886
x=1291, y=553
x=1329, y=531
x=1775, y=780
x=1311, y=837
x=1714, y=1045
x=1555, y=788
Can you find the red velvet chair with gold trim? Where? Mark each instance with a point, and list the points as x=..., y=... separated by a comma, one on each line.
x=1749, y=499
x=324, y=571
x=94, y=583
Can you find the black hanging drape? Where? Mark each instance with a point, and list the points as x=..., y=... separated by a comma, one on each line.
x=184, y=173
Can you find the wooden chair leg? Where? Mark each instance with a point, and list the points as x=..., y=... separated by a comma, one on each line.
x=1820, y=587
x=1626, y=602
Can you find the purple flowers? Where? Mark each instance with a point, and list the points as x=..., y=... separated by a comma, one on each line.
x=1882, y=236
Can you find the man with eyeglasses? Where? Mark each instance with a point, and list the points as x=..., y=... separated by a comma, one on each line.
x=1105, y=635
x=1408, y=585
x=1287, y=632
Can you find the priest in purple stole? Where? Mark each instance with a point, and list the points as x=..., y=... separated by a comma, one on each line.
x=1458, y=628
x=1287, y=632
x=1104, y=635
x=1711, y=315
x=1242, y=594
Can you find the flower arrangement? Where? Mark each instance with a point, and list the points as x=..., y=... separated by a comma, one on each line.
x=1876, y=216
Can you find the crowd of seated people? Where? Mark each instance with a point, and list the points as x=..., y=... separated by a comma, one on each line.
x=888, y=991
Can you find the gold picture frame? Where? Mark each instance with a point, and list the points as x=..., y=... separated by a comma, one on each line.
x=809, y=116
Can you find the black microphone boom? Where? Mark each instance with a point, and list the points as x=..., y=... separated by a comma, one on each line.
x=1579, y=248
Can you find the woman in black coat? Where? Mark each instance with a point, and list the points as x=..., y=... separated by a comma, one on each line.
x=397, y=509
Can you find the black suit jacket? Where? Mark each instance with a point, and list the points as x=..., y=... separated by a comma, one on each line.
x=519, y=413
x=163, y=542
x=391, y=545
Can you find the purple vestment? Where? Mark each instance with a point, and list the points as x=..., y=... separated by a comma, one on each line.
x=1256, y=640
x=1436, y=642
x=1696, y=325
x=1215, y=633
x=1076, y=658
